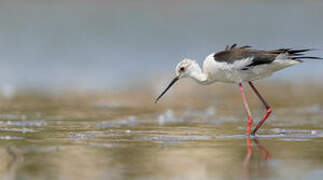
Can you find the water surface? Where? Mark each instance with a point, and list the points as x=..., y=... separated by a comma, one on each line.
x=74, y=138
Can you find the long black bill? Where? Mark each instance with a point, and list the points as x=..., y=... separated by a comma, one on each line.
x=170, y=85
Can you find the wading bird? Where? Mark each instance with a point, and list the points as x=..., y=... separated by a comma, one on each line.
x=239, y=65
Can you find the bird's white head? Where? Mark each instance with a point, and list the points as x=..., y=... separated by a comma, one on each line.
x=186, y=68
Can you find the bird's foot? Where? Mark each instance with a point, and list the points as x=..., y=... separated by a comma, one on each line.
x=253, y=133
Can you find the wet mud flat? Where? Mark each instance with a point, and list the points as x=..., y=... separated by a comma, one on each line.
x=112, y=136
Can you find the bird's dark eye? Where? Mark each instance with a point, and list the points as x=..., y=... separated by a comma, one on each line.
x=182, y=69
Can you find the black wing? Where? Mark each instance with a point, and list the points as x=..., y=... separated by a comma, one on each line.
x=233, y=54
x=259, y=57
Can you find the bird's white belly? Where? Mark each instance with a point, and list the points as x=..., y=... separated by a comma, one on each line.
x=230, y=74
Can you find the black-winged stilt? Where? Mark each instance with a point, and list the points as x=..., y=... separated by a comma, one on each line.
x=238, y=65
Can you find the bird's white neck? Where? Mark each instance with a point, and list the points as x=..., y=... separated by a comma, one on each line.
x=198, y=75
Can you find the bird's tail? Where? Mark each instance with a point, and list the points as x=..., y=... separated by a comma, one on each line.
x=297, y=54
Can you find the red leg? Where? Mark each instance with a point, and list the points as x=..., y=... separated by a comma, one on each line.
x=268, y=109
x=247, y=108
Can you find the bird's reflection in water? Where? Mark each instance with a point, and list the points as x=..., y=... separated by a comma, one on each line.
x=247, y=163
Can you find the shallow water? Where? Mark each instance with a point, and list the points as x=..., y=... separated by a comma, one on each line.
x=104, y=141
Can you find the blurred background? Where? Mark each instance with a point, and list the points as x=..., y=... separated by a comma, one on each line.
x=78, y=79
x=106, y=44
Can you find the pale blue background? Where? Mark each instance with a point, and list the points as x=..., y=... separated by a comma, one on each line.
x=108, y=44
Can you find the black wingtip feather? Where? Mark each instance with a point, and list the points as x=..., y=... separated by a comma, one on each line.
x=297, y=51
x=309, y=57
x=299, y=54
